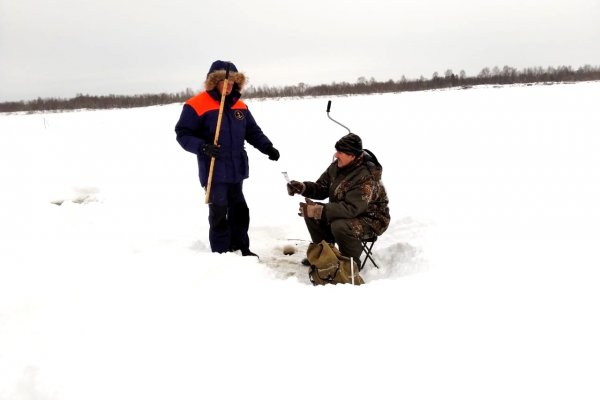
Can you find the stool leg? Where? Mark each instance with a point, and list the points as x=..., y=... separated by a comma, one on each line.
x=368, y=252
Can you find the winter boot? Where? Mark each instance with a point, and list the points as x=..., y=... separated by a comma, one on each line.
x=247, y=252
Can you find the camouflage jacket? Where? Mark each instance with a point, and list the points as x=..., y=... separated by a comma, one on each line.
x=354, y=192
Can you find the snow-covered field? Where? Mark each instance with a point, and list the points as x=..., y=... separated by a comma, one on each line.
x=489, y=279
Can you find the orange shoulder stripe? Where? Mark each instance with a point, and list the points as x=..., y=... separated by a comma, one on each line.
x=239, y=105
x=203, y=103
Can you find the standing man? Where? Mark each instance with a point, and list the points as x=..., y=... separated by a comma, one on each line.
x=358, y=203
x=228, y=213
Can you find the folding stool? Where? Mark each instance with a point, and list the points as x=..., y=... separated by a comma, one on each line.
x=367, y=251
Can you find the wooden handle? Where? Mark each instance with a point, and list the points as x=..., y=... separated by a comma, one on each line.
x=217, y=133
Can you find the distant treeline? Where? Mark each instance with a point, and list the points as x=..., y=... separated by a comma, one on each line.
x=85, y=101
x=487, y=76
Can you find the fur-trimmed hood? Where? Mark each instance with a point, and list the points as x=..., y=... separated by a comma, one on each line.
x=217, y=73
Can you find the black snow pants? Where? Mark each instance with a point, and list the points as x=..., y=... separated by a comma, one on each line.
x=228, y=217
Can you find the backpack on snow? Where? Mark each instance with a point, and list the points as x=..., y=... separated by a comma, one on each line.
x=328, y=265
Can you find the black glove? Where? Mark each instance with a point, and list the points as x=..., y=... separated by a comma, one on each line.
x=294, y=187
x=273, y=154
x=211, y=150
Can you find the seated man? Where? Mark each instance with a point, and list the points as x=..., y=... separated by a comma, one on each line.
x=358, y=203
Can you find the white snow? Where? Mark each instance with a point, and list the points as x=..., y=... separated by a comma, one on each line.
x=488, y=287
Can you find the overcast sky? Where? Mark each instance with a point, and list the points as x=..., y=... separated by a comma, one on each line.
x=61, y=48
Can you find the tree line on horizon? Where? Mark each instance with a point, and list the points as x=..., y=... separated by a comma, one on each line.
x=494, y=76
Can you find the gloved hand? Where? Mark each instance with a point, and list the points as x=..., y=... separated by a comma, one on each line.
x=211, y=150
x=273, y=154
x=310, y=209
x=294, y=187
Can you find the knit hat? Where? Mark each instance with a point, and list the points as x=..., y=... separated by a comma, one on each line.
x=217, y=72
x=350, y=144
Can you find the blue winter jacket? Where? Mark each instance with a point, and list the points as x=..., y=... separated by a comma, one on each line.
x=197, y=126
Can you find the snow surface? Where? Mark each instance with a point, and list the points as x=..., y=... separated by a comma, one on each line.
x=489, y=279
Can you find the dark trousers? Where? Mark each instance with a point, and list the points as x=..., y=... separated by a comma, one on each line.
x=228, y=217
x=344, y=232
